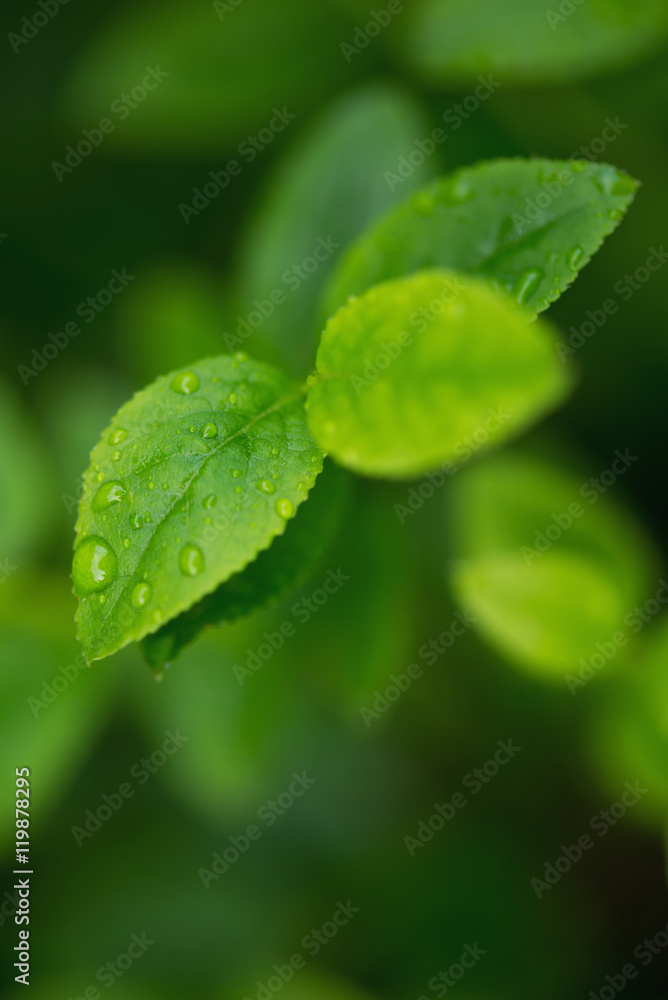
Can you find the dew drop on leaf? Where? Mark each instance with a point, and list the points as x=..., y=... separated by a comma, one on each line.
x=94, y=565
x=527, y=284
x=574, y=257
x=266, y=486
x=118, y=435
x=209, y=431
x=141, y=595
x=135, y=521
x=112, y=492
x=210, y=501
x=185, y=383
x=191, y=560
x=236, y=473
x=285, y=508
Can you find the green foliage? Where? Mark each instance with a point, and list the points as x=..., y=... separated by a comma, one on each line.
x=452, y=41
x=489, y=220
x=546, y=582
x=330, y=186
x=414, y=367
x=199, y=473
x=215, y=92
x=195, y=476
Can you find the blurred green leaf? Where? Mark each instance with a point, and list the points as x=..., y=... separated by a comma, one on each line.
x=276, y=572
x=546, y=583
x=414, y=367
x=160, y=525
x=452, y=41
x=225, y=74
x=530, y=225
x=329, y=187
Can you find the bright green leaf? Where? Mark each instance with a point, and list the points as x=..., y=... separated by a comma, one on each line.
x=546, y=583
x=415, y=370
x=530, y=225
x=195, y=476
x=273, y=575
x=453, y=41
x=334, y=182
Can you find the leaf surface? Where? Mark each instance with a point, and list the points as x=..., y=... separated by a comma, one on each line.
x=195, y=476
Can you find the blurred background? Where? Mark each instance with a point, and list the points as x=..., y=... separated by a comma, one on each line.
x=201, y=151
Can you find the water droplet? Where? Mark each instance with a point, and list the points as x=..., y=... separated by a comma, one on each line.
x=111, y=493
x=209, y=431
x=312, y=379
x=148, y=518
x=615, y=214
x=423, y=203
x=151, y=486
x=118, y=436
x=240, y=357
x=573, y=257
x=94, y=566
x=191, y=560
x=266, y=486
x=232, y=398
x=301, y=487
x=141, y=595
x=185, y=383
x=102, y=599
x=527, y=284
x=210, y=501
x=116, y=456
x=135, y=521
x=236, y=473
x=285, y=508
x=579, y=166
x=192, y=429
x=100, y=477
x=126, y=543
x=314, y=458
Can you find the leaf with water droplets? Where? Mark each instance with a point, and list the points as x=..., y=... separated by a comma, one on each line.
x=271, y=577
x=145, y=555
x=528, y=225
x=426, y=370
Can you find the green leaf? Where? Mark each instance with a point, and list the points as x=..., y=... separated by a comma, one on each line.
x=330, y=186
x=266, y=581
x=546, y=583
x=225, y=75
x=530, y=225
x=415, y=370
x=452, y=41
x=195, y=476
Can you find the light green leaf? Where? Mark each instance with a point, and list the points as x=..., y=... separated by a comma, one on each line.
x=195, y=476
x=452, y=41
x=272, y=576
x=530, y=225
x=329, y=187
x=416, y=368
x=223, y=75
x=547, y=581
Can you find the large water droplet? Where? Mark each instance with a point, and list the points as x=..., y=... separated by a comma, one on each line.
x=186, y=383
x=141, y=595
x=527, y=284
x=574, y=257
x=266, y=486
x=111, y=493
x=191, y=560
x=118, y=436
x=209, y=431
x=210, y=501
x=94, y=565
x=285, y=508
